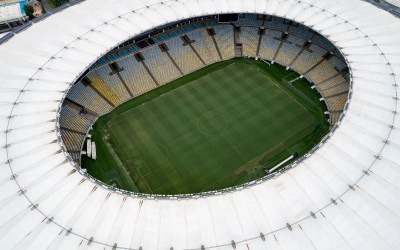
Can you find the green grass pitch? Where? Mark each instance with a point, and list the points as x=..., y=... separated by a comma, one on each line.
x=210, y=130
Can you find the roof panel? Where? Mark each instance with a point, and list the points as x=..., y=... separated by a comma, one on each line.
x=364, y=218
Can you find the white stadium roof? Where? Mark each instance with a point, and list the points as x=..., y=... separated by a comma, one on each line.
x=346, y=195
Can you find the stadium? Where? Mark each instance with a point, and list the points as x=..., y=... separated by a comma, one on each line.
x=201, y=124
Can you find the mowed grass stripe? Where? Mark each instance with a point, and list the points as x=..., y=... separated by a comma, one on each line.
x=253, y=123
x=136, y=140
x=203, y=134
x=151, y=147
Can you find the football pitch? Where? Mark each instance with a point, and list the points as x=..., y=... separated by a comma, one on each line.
x=211, y=131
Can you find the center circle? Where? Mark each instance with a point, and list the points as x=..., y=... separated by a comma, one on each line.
x=212, y=124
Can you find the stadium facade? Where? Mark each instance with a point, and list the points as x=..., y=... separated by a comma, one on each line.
x=343, y=195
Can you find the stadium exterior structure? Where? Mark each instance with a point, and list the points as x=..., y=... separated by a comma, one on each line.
x=344, y=195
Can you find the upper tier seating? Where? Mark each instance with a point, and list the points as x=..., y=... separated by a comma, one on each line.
x=296, y=40
x=249, y=20
x=301, y=31
x=276, y=24
x=323, y=42
x=338, y=63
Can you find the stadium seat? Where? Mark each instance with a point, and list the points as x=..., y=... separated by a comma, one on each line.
x=249, y=38
x=224, y=38
x=183, y=55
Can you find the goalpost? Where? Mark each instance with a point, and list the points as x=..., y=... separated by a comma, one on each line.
x=257, y=58
x=266, y=62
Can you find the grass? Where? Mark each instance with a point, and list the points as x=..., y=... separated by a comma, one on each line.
x=209, y=130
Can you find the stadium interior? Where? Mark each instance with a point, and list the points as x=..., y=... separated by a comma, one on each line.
x=303, y=92
x=167, y=53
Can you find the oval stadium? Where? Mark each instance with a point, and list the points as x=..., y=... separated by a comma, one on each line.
x=202, y=124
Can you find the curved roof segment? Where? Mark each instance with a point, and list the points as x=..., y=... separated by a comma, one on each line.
x=345, y=195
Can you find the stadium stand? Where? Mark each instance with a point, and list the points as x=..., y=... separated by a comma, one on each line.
x=287, y=53
x=224, y=38
x=321, y=72
x=135, y=76
x=249, y=38
x=276, y=23
x=183, y=55
x=308, y=59
x=337, y=63
x=249, y=20
x=99, y=85
x=176, y=55
x=204, y=45
x=331, y=82
x=301, y=31
x=334, y=117
x=296, y=40
x=339, y=88
x=323, y=42
x=88, y=98
x=269, y=44
x=73, y=141
x=160, y=65
x=72, y=119
x=112, y=81
x=336, y=102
